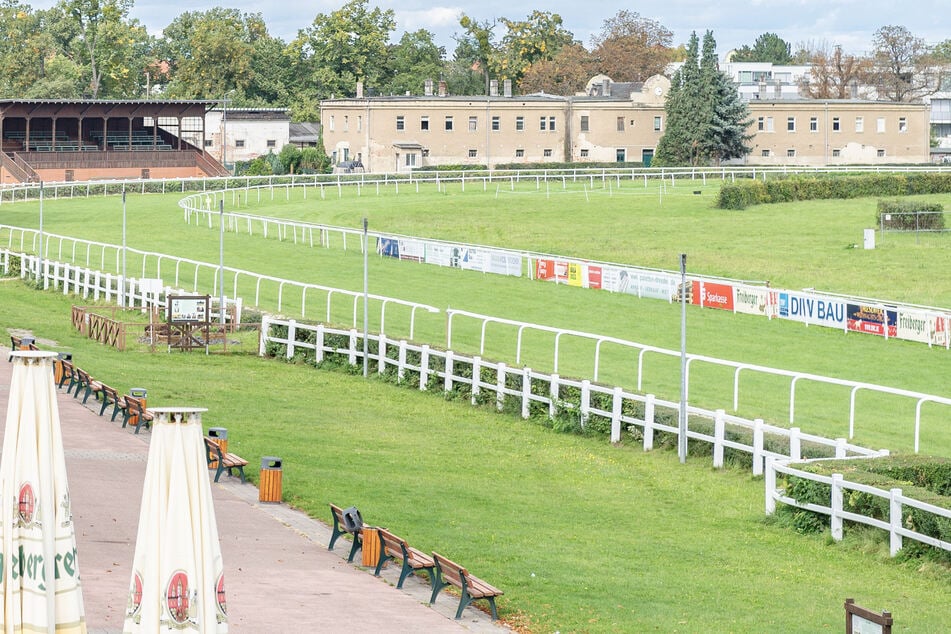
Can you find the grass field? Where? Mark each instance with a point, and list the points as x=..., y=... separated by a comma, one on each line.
x=581, y=535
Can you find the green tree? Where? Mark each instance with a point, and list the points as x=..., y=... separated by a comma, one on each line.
x=290, y=158
x=538, y=38
x=706, y=120
x=768, y=47
x=342, y=48
x=632, y=48
x=26, y=46
x=414, y=60
x=477, y=43
x=465, y=74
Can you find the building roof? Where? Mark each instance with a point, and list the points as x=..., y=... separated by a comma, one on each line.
x=304, y=132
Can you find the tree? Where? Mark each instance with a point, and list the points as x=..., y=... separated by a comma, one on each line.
x=902, y=65
x=834, y=74
x=631, y=48
x=26, y=47
x=414, y=60
x=464, y=73
x=706, y=120
x=538, y=38
x=768, y=47
x=477, y=44
x=565, y=74
x=342, y=48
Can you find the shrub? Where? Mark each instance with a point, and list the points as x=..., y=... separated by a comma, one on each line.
x=910, y=215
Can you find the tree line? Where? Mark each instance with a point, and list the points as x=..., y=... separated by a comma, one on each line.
x=94, y=49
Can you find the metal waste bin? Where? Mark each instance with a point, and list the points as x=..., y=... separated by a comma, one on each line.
x=58, y=366
x=269, y=486
x=142, y=394
x=218, y=435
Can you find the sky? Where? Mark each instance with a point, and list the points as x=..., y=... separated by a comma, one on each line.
x=849, y=23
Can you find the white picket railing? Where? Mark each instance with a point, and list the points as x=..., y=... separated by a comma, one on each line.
x=838, y=489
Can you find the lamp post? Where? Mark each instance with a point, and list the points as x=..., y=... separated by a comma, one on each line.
x=682, y=421
x=221, y=259
x=39, y=263
x=122, y=282
x=224, y=132
x=366, y=297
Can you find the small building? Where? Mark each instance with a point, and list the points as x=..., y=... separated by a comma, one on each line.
x=242, y=134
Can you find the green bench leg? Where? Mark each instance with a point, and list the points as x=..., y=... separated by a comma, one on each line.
x=353, y=549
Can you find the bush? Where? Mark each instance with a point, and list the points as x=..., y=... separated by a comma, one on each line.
x=910, y=215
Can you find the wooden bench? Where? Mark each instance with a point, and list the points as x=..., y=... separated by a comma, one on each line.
x=340, y=528
x=110, y=396
x=82, y=382
x=136, y=413
x=67, y=373
x=223, y=461
x=393, y=547
x=16, y=343
x=450, y=573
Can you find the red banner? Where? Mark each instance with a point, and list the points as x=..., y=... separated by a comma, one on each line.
x=712, y=295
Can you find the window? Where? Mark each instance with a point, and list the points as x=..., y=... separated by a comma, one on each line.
x=902, y=124
x=764, y=153
x=519, y=123
x=271, y=143
x=761, y=123
x=551, y=123
x=790, y=152
x=424, y=123
x=425, y=152
x=359, y=123
x=813, y=124
x=519, y=153
x=791, y=124
x=346, y=123
x=400, y=123
x=473, y=153
x=543, y=123
x=584, y=123
x=546, y=153
x=411, y=160
x=209, y=143
x=658, y=123
x=584, y=153
x=860, y=124
x=769, y=124
x=331, y=123
x=239, y=143
x=880, y=153
x=620, y=124
x=496, y=123
x=836, y=153
x=473, y=124
x=880, y=124
x=835, y=124
x=449, y=123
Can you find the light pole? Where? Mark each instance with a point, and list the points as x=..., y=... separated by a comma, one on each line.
x=682, y=421
x=39, y=263
x=366, y=297
x=221, y=259
x=122, y=282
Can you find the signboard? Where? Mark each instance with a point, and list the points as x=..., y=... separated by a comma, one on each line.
x=872, y=320
x=810, y=309
x=188, y=309
x=930, y=328
x=859, y=620
x=755, y=300
x=713, y=295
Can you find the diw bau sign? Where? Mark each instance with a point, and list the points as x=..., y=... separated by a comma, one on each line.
x=812, y=310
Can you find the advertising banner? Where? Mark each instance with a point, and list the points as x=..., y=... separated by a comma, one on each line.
x=872, y=320
x=713, y=295
x=930, y=328
x=576, y=273
x=504, y=263
x=442, y=255
x=551, y=270
x=755, y=300
x=594, y=276
x=810, y=309
x=414, y=250
x=388, y=247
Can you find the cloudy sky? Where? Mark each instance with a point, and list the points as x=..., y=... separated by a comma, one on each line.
x=849, y=23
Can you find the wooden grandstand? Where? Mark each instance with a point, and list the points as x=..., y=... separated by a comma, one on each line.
x=66, y=140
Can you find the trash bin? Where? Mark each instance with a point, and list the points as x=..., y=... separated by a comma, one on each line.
x=218, y=435
x=370, y=537
x=58, y=366
x=26, y=342
x=269, y=487
x=140, y=393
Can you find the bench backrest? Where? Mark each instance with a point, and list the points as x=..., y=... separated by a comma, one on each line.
x=109, y=393
x=393, y=545
x=83, y=376
x=135, y=404
x=450, y=570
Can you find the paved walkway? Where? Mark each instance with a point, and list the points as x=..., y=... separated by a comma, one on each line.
x=280, y=576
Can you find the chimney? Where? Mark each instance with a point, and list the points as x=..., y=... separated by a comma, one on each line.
x=507, y=87
x=493, y=87
x=442, y=88
x=359, y=90
x=428, y=88
x=605, y=87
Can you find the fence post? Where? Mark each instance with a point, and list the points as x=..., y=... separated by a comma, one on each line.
x=795, y=449
x=354, y=339
x=837, y=507
x=319, y=344
x=424, y=368
x=585, y=401
x=770, y=485
x=719, y=432
x=840, y=447
x=649, y=422
x=447, y=379
x=894, y=519
x=401, y=362
x=291, y=338
x=500, y=387
x=616, y=407
x=553, y=392
x=476, y=379
x=526, y=392
x=265, y=335
x=381, y=353
x=758, y=447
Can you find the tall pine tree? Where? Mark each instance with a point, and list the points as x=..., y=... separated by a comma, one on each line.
x=706, y=120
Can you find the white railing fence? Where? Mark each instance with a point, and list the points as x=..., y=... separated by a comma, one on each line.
x=839, y=489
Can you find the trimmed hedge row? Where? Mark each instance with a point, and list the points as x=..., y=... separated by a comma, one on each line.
x=908, y=215
x=741, y=195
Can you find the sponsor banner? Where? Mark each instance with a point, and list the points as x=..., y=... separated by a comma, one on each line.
x=414, y=250
x=930, y=328
x=594, y=276
x=872, y=320
x=576, y=273
x=712, y=295
x=755, y=300
x=389, y=247
x=810, y=309
x=551, y=270
x=504, y=263
x=442, y=255
x=643, y=284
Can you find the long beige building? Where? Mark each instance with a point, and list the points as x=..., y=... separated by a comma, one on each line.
x=611, y=123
